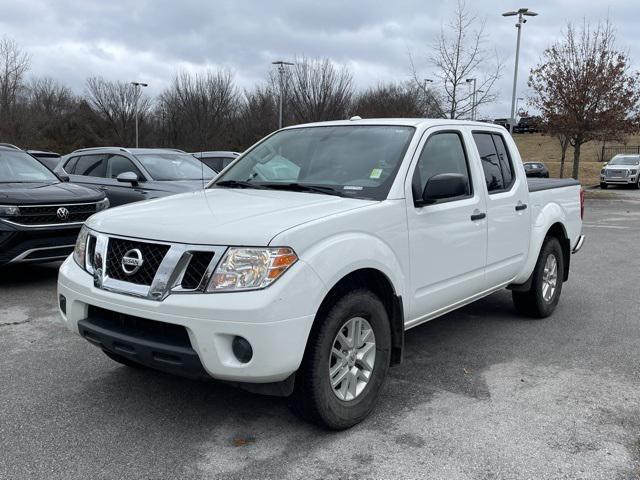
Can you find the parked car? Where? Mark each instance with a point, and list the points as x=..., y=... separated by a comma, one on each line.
x=300, y=268
x=49, y=159
x=132, y=174
x=621, y=170
x=40, y=215
x=527, y=125
x=536, y=169
x=503, y=122
x=217, y=160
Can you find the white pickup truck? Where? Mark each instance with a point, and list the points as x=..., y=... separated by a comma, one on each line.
x=299, y=269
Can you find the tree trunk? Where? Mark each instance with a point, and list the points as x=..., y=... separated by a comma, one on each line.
x=563, y=146
x=576, y=158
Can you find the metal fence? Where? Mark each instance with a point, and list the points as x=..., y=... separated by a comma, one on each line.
x=608, y=152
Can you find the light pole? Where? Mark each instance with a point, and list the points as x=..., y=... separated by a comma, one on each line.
x=138, y=86
x=473, y=98
x=424, y=83
x=520, y=13
x=281, y=70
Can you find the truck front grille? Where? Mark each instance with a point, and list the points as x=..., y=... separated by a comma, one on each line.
x=152, y=256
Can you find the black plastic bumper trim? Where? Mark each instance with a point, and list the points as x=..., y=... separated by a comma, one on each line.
x=174, y=359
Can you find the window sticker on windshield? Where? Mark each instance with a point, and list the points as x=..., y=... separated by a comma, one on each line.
x=351, y=187
x=376, y=173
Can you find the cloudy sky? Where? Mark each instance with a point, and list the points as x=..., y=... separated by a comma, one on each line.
x=150, y=40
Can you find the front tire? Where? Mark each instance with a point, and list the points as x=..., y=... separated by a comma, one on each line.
x=541, y=300
x=603, y=186
x=345, y=363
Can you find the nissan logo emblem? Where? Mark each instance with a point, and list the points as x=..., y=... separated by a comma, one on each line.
x=62, y=213
x=132, y=261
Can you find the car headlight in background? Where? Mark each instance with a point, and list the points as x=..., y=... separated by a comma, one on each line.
x=9, y=211
x=602, y=172
x=102, y=205
x=246, y=268
x=633, y=172
x=80, y=250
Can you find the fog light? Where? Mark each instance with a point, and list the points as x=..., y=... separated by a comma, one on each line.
x=63, y=304
x=242, y=349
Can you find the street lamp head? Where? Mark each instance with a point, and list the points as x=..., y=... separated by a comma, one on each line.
x=530, y=13
x=281, y=62
x=510, y=14
x=139, y=84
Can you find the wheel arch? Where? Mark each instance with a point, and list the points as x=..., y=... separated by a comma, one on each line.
x=378, y=283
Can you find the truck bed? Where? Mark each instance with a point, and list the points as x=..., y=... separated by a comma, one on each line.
x=538, y=184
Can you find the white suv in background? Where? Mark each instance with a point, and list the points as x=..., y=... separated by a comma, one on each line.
x=621, y=170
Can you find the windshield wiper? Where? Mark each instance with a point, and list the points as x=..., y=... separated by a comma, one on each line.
x=237, y=184
x=301, y=187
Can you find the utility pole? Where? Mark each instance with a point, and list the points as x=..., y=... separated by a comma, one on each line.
x=473, y=98
x=281, y=71
x=138, y=86
x=521, y=21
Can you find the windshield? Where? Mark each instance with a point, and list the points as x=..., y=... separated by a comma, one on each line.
x=355, y=161
x=625, y=161
x=175, y=166
x=19, y=167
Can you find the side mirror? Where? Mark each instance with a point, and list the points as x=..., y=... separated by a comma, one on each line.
x=444, y=185
x=63, y=176
x=128, y=177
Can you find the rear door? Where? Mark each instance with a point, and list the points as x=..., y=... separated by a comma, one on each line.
x=88, y=170
x=447, y=239
x=508, y=215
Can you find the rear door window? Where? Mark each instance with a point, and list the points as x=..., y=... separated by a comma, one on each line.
x=91, y=166
x=496, y=163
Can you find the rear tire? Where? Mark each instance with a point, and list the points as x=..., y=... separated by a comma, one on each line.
x=314, y=397
x=541, y=300
x=123, y=360
x=603, y=186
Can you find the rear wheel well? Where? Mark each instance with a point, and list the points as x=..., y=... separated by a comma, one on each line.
x=557, y=230
x=379, y=284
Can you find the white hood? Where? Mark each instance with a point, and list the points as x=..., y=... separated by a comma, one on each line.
x=220, y=216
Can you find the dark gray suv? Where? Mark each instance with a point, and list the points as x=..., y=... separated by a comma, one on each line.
x=131, y=174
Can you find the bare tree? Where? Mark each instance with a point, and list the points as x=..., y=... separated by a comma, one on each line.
x=115, y=104
x=14, y=63
x=197, y=109
x=460, y=54
x=584, y=89
x=257, y=116
x=317, y=90
x=396, y=100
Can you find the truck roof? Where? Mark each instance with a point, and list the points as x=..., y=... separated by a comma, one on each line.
x=404, y=122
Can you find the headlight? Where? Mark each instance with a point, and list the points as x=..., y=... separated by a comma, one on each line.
x=602, y=172
x=244, y=268
x=102, y=205
x=633, y=172
x=9, y=211
x=80, y=250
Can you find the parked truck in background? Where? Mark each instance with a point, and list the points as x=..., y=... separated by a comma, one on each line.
x=300, y=268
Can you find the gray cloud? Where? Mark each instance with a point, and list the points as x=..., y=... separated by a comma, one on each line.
x=152, y=40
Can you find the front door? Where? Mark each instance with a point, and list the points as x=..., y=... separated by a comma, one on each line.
x=447, y=239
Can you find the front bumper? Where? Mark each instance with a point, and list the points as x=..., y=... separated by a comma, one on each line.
x=36, y=245
x=619, y=180
x=276, y=321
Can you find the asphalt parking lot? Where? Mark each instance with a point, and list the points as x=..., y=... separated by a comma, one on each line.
x=482, y=394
